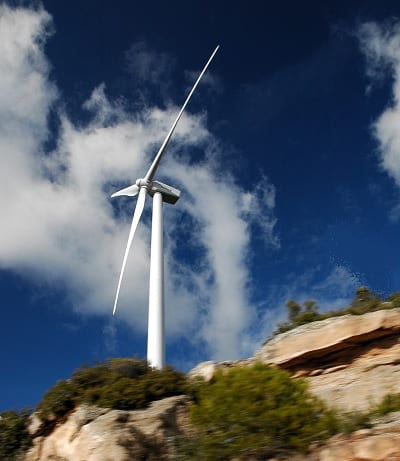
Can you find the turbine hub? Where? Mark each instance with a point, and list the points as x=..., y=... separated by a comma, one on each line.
x=141, y=182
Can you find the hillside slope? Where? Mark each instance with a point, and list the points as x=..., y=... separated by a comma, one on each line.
x=349, y=362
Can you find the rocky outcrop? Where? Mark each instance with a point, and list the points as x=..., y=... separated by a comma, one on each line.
x=99, y=434
x=206, y=370
x=380, y=443
x=322, y=338
x=349, y=361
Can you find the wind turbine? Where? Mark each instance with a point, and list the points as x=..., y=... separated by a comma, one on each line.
x=160, y=193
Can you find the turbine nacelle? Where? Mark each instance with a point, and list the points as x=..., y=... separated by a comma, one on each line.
x=169, y=194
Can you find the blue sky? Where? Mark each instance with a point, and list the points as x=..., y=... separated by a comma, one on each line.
x=288, y=159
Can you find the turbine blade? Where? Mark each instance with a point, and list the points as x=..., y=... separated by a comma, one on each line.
x=131, y=191
x=136, y=217
x=150, y=174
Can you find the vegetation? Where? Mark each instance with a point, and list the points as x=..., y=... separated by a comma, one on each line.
x=350, y=422
x=254, y=412
x=259, y=412
x=125, y=384
x=389, y=403
x=364, y=301
x=14, y=437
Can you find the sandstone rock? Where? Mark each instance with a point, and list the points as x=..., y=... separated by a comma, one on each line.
x=34, y=424
x=320, y=338
x=381, y=443
x=204, y=370
x=349, y=361
x=370, y=372
x=98, y=434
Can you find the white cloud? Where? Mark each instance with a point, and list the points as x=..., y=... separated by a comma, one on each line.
x=59, y=224
x=147, y=65
x=335, y=289
x=381, y=47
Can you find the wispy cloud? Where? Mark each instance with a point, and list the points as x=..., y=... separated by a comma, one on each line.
x=380, y=44
x=60, y=226
x=331, y=290
x=148, y=66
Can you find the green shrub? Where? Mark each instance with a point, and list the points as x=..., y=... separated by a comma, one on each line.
x=14, y=437
x=254, y=412
x=131, y=368
x=299, y=316
x=364, y=301
x=394, y=298
x=353, y=421
x=389, y=403
x=57, y=401
x=125, y=384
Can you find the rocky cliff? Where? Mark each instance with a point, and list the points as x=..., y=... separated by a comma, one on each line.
x=100, y=434
x=349, y=361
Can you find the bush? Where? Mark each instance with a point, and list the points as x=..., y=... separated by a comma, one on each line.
x=255, y=411
x=14, y=437
x=299, y=316
x=394, y=298
x=353, y=421
x=57, y=401
x=124, y=384
x=364, y=301
x=389, y=403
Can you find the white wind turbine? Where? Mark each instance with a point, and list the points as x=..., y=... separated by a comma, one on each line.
x=160, y=193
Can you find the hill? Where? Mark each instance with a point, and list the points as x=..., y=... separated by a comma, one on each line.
x=323, y=390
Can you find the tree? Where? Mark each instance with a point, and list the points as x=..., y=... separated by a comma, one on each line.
x=57, y=401
x=293, y=309
x=256, y=412
x=364, y=301
x=394, y=298
x=14, y=437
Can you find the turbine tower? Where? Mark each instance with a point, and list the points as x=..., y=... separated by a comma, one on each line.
x=160, y=193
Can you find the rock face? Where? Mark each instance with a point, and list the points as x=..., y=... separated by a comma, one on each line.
x=381, y=443
x=349, y=361
x=98, y=434
x=206, y=370
x=378, y=444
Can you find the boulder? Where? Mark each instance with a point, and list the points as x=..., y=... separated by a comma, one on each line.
x=204, y=370
x=100, y=434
